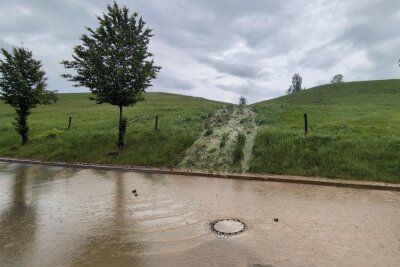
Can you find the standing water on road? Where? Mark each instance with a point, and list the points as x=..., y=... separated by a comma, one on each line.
x=51, y=216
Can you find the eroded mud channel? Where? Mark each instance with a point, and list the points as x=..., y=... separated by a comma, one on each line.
x=226, y=143
x=70, y=217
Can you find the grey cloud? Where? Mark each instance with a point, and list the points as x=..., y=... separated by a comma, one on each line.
x=324, y=56
x=253, y=91
x=373, y=29
x=64, y=20
x=234, y=67
x=241, y=89
x=240, y=47
x=170, y=82
x=5, y=45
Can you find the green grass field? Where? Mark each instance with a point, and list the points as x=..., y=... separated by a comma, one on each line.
x=355, y=132
x=93, y=134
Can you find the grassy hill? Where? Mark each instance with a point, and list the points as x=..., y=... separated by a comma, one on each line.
x=93, y=133
x=355, y=132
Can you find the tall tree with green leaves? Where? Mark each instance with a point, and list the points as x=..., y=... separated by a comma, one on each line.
x=338, y=78
x=23, y=86
x=296, y=84
x=242, y=101
x=113, y=61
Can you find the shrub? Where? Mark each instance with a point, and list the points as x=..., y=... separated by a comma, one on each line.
x=242, y=101
x=208, y=132
x=223, y=140
x=238, y=151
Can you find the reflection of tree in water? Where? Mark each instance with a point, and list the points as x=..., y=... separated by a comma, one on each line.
x=18, y=222
x=119, y=203
x=4, y=167
x=111, y=248
x=42, y=174
x=109, y=242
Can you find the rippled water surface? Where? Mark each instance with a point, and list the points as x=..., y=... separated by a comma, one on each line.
x=70, y=217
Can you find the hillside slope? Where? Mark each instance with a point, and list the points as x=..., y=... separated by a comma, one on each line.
x=219, y=148
x=354, y=132
x=94, y=129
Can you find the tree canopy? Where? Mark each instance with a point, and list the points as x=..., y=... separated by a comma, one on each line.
x=296, y=84
x=113, y=60
x=338, y=78
x=22, y=80
x=242, y=101
x=23, y=85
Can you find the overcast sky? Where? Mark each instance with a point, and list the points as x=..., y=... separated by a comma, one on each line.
x=221, y=49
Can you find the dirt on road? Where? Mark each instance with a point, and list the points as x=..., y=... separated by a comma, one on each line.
x=55, y=216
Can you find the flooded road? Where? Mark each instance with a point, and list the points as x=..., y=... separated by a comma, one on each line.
x=51, y=216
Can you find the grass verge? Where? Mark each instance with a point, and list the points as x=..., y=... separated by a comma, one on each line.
x=93, y=134
x=354, y=132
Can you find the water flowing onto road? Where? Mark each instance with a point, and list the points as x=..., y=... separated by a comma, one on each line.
x=52, y=216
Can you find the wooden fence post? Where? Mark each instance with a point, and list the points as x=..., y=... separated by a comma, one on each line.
x=156, y=125
x=69, y=123
x=305, y=124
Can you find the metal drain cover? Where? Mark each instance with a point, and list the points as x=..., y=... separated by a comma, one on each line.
x=228, y=227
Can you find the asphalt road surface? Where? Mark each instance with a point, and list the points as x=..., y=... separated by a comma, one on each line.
x=52, y=216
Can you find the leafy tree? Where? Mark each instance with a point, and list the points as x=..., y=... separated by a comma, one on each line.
x=23, y=86
x=338, y=78
x=242, y=101
x=296, y=84
x=114, y=61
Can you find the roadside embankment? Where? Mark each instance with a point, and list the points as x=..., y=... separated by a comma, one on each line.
x=226, y=143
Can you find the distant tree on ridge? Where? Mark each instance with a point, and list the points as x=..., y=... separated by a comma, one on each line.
x=242, y=101
x=296, y=84
x=338, y=78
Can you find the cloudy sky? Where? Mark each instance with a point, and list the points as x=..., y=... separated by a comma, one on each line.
x=222, y=49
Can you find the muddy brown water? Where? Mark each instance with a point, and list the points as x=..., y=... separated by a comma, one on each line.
x=70, y=217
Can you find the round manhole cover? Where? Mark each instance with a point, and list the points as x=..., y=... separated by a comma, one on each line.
x=228, y=226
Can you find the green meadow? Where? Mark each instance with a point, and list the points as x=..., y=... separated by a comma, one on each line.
x=354, y=132
x=93, y=133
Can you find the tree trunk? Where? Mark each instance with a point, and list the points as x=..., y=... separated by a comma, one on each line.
x=21, y=126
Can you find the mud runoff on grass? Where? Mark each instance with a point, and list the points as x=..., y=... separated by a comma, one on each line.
x=226, y=143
